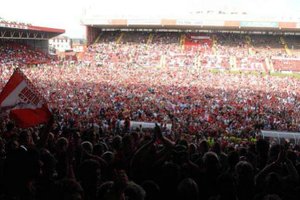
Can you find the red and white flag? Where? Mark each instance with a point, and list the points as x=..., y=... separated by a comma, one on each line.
x=25, y=105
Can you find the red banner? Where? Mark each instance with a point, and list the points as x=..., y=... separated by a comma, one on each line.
x=24, y=104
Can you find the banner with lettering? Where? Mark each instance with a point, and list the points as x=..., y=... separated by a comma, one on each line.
x=25, y=105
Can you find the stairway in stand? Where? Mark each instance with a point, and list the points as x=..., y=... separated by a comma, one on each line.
x=98, y=38
x=150, y=38
x=248, y=41
x=182, y=41
x=214, y=46
x=119, y=39
x=285, y=45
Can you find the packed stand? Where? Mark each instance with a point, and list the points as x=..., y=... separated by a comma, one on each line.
x=220, y=50
x=211, y=152
x=14, y=53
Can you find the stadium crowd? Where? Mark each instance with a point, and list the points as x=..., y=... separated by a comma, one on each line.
x=213, y=151
x=258, y=53
x=13, y=53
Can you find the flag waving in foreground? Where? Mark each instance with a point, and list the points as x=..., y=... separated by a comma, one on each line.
x=25, y=105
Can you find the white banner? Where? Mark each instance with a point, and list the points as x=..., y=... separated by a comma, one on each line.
x=283, y=58
x=144, y=125
x=281, y=134
x=199, y=37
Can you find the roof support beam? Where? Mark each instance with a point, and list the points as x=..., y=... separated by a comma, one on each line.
x=12, y=33
x=20, y=34
x=2, y=33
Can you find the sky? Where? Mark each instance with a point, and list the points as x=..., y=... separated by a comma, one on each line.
x=66, y=14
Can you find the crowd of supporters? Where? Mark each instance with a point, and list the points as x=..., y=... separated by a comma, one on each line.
x=213, y=151
x=223, y=51
x=14, y=53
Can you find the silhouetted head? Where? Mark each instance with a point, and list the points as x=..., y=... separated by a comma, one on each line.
x=188, y=189
x=211, y=161
x=87, y=146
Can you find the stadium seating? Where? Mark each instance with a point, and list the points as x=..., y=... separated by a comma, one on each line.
x=288, y=65
x=212, y=51
x=293, y=43
x=251, y=64
x=19, y=54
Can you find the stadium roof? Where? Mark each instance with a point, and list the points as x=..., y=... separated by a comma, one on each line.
x=14, y=30
x=214, y=21
x=197, y=25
